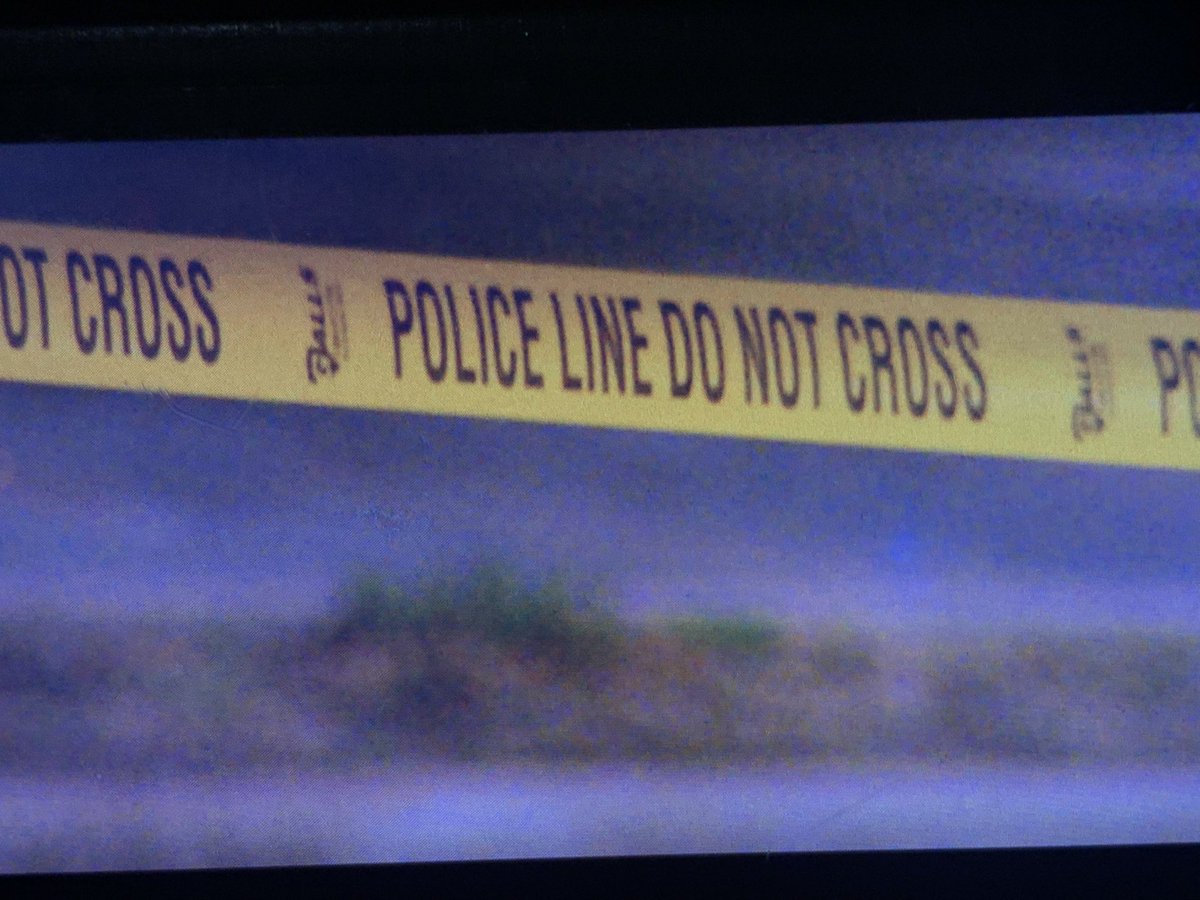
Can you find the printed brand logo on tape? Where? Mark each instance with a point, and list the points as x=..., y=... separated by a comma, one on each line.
x=328, y=350
x=1095, y=401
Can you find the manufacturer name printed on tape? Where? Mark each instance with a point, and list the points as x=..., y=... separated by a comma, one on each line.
x=1080, y=382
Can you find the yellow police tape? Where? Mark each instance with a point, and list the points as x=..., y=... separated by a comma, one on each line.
x=723, y=356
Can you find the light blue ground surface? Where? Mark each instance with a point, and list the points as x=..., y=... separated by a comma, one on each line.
x=478, y=814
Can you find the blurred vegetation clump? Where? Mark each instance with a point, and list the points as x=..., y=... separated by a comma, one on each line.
x=466, y=664
x=491, y=602
x=491, y=664
x=487, y=662
x=747, y=638
x=1100, y=696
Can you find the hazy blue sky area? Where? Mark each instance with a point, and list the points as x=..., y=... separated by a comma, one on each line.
x=123, y=503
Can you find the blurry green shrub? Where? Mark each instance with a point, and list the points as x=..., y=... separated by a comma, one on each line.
x=739, y=637
x=490, y=602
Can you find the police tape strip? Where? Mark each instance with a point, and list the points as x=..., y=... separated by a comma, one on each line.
x=556, y=344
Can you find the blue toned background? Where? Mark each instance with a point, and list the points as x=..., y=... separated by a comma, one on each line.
x=122, y=504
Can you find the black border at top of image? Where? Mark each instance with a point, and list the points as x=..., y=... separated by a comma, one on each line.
x=543, y=67
x=538, y=67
